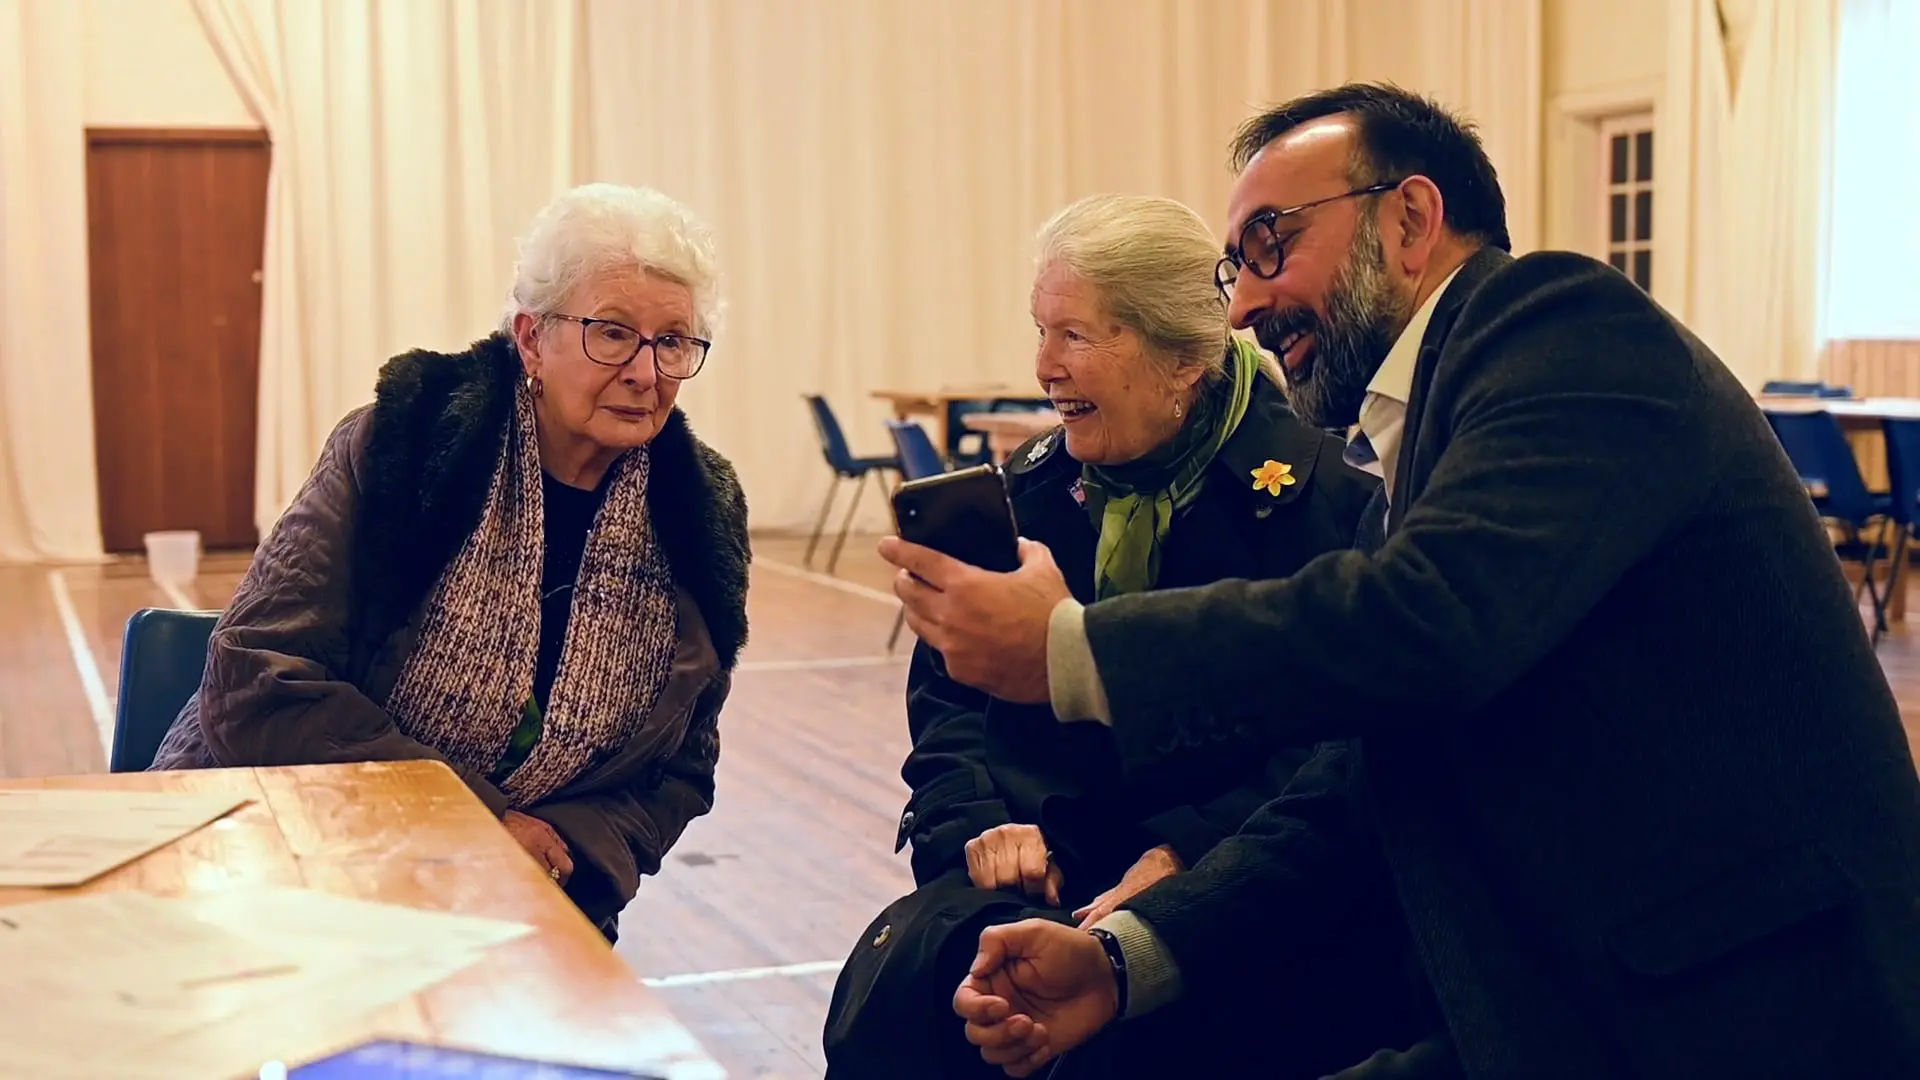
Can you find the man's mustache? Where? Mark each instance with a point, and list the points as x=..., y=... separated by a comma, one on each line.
x=1272, y=331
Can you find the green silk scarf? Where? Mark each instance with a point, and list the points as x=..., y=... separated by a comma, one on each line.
x=1133, y=504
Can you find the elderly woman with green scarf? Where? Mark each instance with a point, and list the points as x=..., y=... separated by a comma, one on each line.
x=1177, y=462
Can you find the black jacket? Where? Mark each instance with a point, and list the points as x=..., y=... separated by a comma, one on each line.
x=1642, y=786
x=978, y=762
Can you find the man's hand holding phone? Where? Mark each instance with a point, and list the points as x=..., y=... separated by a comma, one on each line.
x=990, y=628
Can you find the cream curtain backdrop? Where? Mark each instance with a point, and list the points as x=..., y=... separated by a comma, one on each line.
x=1482, y=57
x=48, y=507
x=410, y=142
x=874, y=171
x=1744, y=149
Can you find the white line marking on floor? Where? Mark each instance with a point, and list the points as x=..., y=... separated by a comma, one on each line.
x=829, y=581
x=83, y=659
x=698, y=978
x=177, y=598
x=824, y=664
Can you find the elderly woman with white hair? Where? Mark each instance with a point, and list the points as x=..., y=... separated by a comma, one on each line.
x=1178, y=462
x=518, y=561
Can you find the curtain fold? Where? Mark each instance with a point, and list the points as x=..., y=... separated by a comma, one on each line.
x=410, y=143
x=1744, y=150
x=49, y=504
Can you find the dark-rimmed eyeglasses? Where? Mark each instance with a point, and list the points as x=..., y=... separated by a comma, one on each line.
x=1261, y=249
x=613, y=344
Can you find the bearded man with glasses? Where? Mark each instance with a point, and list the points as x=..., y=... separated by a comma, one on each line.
x=518, y=561
x=1598, y=708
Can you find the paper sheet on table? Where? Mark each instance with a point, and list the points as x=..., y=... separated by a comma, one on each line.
x=129, y=985
x=363, y=927
x=55, y=838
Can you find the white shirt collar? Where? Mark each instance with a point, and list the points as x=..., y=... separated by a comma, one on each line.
x=1383, y=413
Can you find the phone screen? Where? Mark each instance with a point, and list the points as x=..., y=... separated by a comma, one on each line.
x=394, y=1059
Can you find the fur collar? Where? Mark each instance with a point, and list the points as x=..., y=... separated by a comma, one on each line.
x=437, y=426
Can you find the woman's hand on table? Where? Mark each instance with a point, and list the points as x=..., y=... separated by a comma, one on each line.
x=541, y=842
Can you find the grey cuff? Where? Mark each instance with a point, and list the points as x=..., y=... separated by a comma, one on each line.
x=1073, y=681
x=1153, y=979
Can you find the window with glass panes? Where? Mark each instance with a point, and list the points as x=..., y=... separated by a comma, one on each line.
x=1626, y=186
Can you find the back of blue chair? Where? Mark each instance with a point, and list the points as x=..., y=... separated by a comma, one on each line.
x=1903, y=467
x=162, y=659
x=833, y=441
x=1824, y=459
x=918, y=456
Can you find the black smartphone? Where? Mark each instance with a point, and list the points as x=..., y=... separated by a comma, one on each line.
x=964, y=513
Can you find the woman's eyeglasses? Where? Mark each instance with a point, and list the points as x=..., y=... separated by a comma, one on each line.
x=612, y=344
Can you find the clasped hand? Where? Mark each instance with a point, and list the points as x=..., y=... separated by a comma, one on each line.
x=1036, y=990
x=1010, y=856
x=1039, y=988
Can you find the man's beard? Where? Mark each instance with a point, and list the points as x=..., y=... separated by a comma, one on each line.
x=1364, y=316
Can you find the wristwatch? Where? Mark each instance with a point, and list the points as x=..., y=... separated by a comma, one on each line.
x=1117, y=958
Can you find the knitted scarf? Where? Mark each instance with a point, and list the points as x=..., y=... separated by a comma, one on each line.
x=469, y=680
x=1133, y=504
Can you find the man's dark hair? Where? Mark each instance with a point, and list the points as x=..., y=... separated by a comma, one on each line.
x=1400, y=134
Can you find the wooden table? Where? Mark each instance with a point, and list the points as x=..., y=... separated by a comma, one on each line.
x=908, y=404
x=411, y=833
x=1852, y=412
x=1005, y=431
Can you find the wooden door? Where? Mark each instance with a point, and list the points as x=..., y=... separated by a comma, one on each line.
x=176, y=229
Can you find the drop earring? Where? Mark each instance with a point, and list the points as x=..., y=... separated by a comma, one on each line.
x=1176, y=409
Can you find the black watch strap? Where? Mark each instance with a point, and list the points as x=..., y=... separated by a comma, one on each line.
x=1118, y=959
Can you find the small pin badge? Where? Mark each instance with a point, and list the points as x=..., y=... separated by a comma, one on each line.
x=1039, y=450
x=1079, y=492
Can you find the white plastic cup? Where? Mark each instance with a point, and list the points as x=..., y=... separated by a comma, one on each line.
x=173, y=558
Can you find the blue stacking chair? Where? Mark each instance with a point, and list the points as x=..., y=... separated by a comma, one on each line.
x=1903, y=477
x=914, y=450
x=1824, y=459
x=162, y=658
x=833, y=446
x=918, y=458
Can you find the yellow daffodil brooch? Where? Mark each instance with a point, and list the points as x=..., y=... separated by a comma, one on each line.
x=1273, y=476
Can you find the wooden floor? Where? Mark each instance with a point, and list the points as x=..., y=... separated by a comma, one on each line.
x=744, y=927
